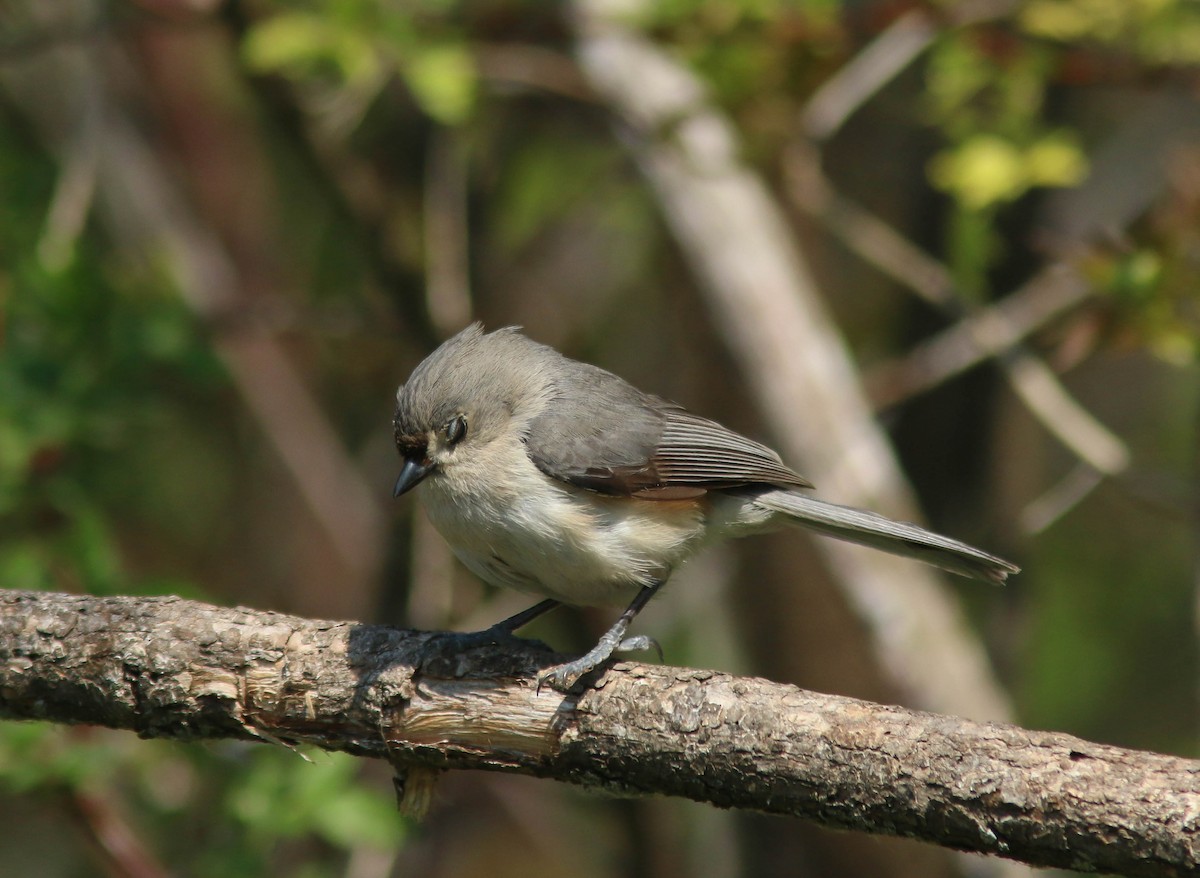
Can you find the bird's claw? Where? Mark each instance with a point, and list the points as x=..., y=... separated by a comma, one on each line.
x=641, y=643
x=562, y=678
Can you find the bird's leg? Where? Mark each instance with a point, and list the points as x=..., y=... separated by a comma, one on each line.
x=564, y=676
x=523, y=618
x=502, y=630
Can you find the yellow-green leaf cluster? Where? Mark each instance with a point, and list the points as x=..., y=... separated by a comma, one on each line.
x=987, y=169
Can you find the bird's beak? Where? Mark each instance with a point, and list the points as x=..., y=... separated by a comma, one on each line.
x=410, y=475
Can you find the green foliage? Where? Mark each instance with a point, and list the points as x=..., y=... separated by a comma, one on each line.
x=1159, y=31
x=354, y=47
x=726, y=16
x=304, y=44
x=1090, y=651
x=40, y=755
x=986, y=95
x=91, y=352
x=550, y=177
x=988, y=105
x=443, y=79
x=1154, y=297
x=319, y=796
x=987, y=170
x=755, y=55
x=262, y=796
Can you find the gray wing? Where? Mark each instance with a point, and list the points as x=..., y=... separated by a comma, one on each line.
x=603, y=434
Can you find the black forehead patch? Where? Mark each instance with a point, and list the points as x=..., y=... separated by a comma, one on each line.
x=410, y=440
x=410, y=446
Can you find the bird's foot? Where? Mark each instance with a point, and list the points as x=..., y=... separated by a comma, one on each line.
x=563, y=678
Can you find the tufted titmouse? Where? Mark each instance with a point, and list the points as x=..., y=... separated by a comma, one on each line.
x=560, y=479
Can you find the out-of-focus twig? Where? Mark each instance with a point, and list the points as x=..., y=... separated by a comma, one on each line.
x=122, y=852
x=868, y=71
x=275, y=393
x=447, y=260
x=28, y=28
x=981, y=334
x=72, y=201
x=1032, y=380
x=984, y=333
x=878, y=63
x=366, y=861
x=1056, y=502
x=865, y=234
x=531, y=67
x=1109, y=199
x=1059, y=412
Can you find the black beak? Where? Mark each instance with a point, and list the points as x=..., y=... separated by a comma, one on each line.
x=410, y=475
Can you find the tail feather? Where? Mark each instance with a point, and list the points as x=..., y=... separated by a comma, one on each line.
x=897, y=537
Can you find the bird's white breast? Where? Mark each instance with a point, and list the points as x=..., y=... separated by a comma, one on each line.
x=514, y=526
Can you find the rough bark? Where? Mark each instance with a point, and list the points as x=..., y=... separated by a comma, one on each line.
x=167, y=667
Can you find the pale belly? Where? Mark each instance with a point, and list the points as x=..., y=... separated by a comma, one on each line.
x=561, y=542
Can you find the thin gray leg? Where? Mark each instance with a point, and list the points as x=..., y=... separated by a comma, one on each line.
x=564, y=676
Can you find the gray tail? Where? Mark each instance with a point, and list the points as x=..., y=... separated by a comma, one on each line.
x=897, y=537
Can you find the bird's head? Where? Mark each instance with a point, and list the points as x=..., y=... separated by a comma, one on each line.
x=474, y=390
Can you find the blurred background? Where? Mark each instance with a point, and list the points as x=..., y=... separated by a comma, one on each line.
x=943, y=256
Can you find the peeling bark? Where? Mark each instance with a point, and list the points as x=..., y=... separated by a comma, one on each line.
x=167, y=667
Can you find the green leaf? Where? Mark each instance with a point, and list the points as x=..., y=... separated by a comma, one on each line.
x=442, y=79
x=282, y=794
x=982, y=172
x=37, y=754
x=298, y=42
x=1056, y=160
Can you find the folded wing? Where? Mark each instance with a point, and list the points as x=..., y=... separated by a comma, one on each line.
x=606, y=436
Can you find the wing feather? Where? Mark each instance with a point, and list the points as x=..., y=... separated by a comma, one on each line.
x=695, y=450
x=602, y=434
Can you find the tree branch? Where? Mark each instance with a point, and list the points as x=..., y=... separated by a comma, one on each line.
x=166, y=667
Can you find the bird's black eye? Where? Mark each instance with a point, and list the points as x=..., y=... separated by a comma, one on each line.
x=455, y=429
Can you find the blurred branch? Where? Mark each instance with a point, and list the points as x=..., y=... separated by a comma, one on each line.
x=865, y=74
x=447, y=244
x=1127, y=174
x=30, y=28
x=765, y=304
x=521, y=65
x=979, y=334
x=878, y=63
x=984, y=333
x=123, y=853
x=1059, y=499
x=873, y=240
x=171, y=668
x=74, y=191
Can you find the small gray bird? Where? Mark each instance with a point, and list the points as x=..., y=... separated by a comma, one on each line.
x=561, y=480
